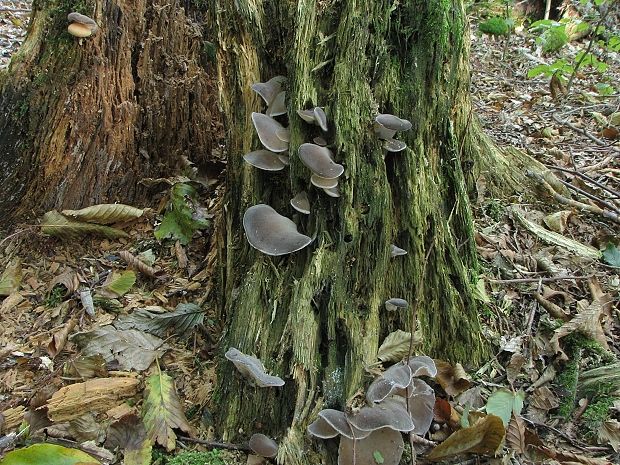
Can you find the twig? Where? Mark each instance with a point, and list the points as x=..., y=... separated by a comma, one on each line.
x=586, y=177
x=216, y=445
x=590, y=196
x=17, y=10
x=585, y=133
x=573, y=203
x=535, y=280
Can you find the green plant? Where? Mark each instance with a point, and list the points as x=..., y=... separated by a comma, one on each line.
x=213, y=457
x=494, y=26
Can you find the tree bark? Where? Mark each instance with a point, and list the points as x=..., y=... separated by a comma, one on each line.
x=316, y=317
x=83, y=120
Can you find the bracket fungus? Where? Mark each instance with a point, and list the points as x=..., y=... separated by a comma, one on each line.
x=393, y=145
x=252, y=369
x=263, y=445
x=269, y=90
x=323, y=183
x=278, y=106
x=301, y=203
x=319, y=160
x=395, y=304
x=387, y=125
x=272, y=233
x=396, y=251
x=265, y=160
x=332, y=191
x=82, y=25
x=315, y=116
x=268, y=129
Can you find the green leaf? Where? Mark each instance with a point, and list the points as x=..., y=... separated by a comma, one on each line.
x=11, y=278
x=183, y=216
x=118, y=284
x=57, y=224
x=47, y=454
x=503, y=402
x=611, y=255
x=378, y=457
x=162, y=411
x=184, y=318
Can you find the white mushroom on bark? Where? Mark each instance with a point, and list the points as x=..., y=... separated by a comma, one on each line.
x=269, y=90
x=272, y=233
x=319, y=160
x=82, y=25
x=265, y=160
x=268, y=130
x=263, y=445
x=252, y=369
x=396, y=251
x=301, y=203
x=395, y=304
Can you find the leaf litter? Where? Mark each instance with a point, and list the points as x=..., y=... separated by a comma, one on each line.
x=550, y=395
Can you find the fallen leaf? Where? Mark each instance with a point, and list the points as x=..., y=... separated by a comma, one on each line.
x=60, y=338
x=514, y=367
x=503, y=402
x=395, y=346
x=587, y=322
x=484, y=438
x=48, y=454
x=59, y=225
x=609, y=432
x=11, y=277
x=106, y=213
x=118, y=284
x=129, y=434
x=162, y=411
x=452, y=380
x=182, y=320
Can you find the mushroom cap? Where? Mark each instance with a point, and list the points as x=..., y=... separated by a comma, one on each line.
x=396, y=377
x=323, y=183
x=421, y=402
x=319, y=160
x=318, y=140
x=264, y=160
x=386, y=442
x=393, y=123
x=267, y=129
x=307, y=115
x=320, y=118
x=422, y=365
x=83, y=19
x=278, y=106
x=263, y=445
x=382, y=132
x=338, y=420
x=320, y=428
x=272, y=233
x=393, y=145
x=391, y=413
x=394, y=304
x=332, y=191
x=284, y=134
x=284, y=159
x=269, y=90
x=252, y=369
x=79, y=30
x=396, y=251
x=301, y=203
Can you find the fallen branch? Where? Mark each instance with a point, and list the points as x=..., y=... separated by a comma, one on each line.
x=535, y=280
x=585, y=133
x=216, y=445
x=573, y=203
x=586, y=177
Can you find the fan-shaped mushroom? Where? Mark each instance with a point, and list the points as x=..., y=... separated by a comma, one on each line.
x=268, y=129
x=384, y=444
x=301, y=203
x=263, y=445
x=264, y=160
x=396, y=251
x=82, y=25
x=272, y=233
x=391, y=413
x=278, y=106
x=320, y=118
x=323, y=183
x=319, y=160
x=252, y=369
x=396, y=377
x=269, y=90
x=332, y=191
x=393, y=145
x=395, y=304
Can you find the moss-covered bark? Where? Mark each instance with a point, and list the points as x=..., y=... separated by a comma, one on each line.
x=316, y=317
x=82, y=121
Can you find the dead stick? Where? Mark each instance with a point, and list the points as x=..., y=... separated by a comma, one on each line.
x=590, y=196
x=217, y=445
x=535, y=280
x=586, y=177
x=585, y=133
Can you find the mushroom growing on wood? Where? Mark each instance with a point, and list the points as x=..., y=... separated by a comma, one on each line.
x=278, y=106
x=263, y=445
x=319, y=160
x=395, y=304
x=82, y=25
x=387, y=125
x=268, y=130
x=264, y=160
x=396, y=251
x=272, y=233
x=301, y=203
x=252, y=369
x=269, y=90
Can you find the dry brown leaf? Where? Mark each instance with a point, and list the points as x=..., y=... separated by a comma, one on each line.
x=587, y=322
x=58, y=225
x=60, y=338
x=142, y=267
x=97, y=395
x=554, y=310
x=484, y=438
x=11, y=277
x=395, y=346
x=106, y=213
x=543, y=398
x=514, y=367
x=609, y=432
x=69, y=279
x=452, y=380
x=515, y=434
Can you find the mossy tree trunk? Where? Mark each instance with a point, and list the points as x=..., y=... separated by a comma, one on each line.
x=82, y=121
x=316, y=317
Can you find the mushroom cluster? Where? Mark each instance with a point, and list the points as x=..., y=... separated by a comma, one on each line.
x=252, y=369
x=386, y=127
x=398, y=401
x=82, y=25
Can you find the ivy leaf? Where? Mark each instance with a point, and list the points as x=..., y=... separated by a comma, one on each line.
x=611, y=255
x=503, y=402
x=183, y=217
x=162, y=411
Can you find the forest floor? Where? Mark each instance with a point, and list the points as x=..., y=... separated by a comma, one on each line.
x=551, y=301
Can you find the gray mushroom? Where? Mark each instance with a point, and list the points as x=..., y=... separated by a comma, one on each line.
x=396, y=251
x=385, y=443
x=318, y=140
x=278, y=106
x=319, y=160
x=393, y=145
x=422, y=365
x=307, y=115
x=395, y=304
x=269, y=90
x=263, y=445
x=393, y=123
x=267, y=129
x=396, y=377
x=272, y=233
x=252, y=369
x=301, y=203
x=338, y=420
x=264, y=160
x=332, y=191
x=391, y=413
x=320, y=118
x=421, y=403
x=323, y=183
x=82, y=25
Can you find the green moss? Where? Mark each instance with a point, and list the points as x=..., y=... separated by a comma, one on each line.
x=554, y=39
x=494, y=26
x=213, y=457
